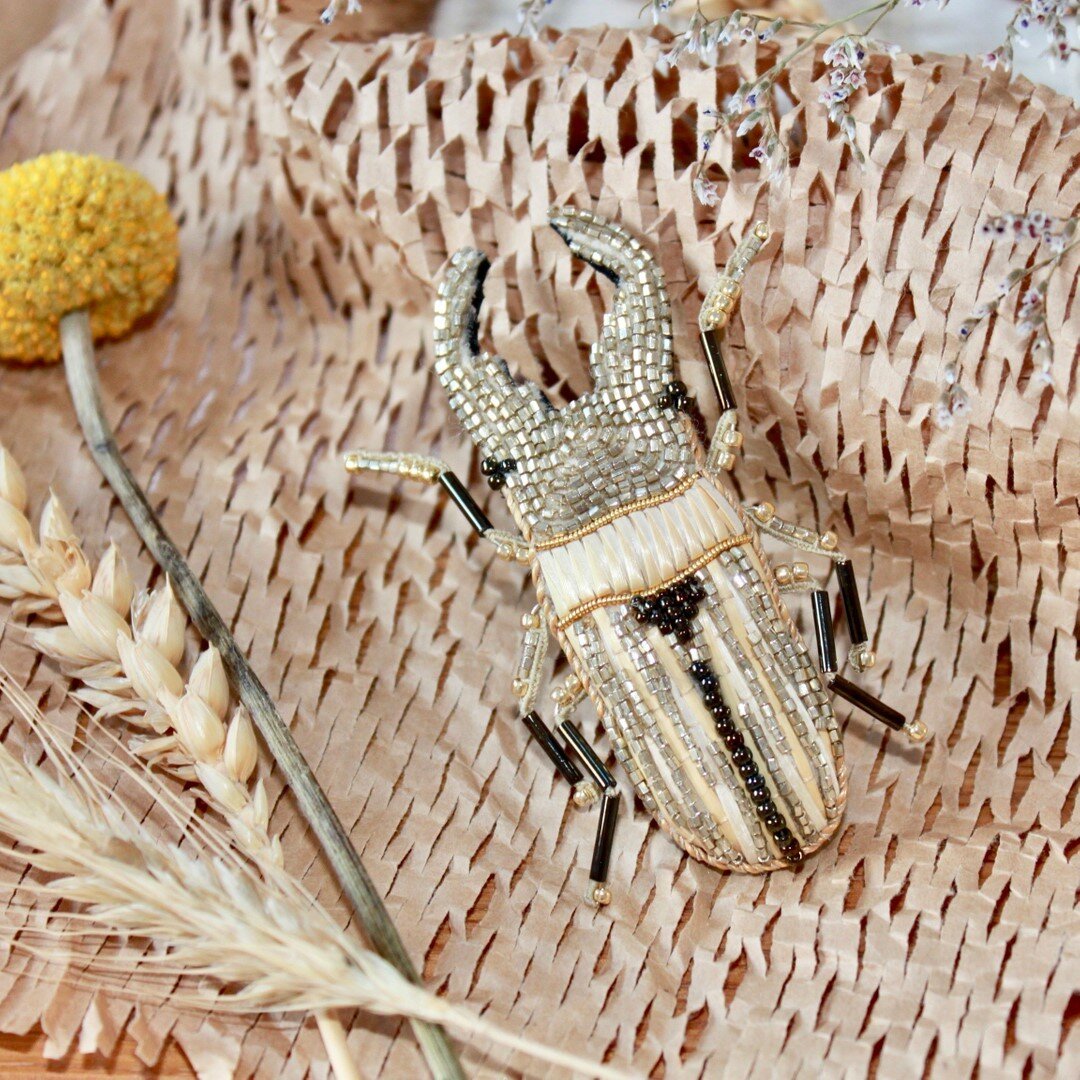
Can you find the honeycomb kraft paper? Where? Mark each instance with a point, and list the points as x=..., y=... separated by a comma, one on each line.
x=320, y=183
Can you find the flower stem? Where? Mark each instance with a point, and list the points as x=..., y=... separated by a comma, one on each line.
x=78, y=349
x=883, y=7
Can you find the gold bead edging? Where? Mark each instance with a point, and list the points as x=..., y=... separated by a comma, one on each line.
x=644, y=503
x=693, y=566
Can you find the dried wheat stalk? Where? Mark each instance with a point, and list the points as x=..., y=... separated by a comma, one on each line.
x=126, y=651
x=224, y=933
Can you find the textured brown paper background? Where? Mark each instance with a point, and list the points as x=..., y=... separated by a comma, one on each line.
x=320, y=183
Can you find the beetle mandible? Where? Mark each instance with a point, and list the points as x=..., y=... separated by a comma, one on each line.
x=651, y=577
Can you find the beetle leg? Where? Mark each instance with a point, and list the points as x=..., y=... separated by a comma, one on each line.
x=598, y=893
x=429, y=470
x=534, y=647
x=567, y=697
x=600, y=785
x=915, y=729
x=861, y=656
x=716, y=312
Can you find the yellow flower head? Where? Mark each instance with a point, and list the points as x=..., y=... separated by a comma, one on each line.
x=77, y=231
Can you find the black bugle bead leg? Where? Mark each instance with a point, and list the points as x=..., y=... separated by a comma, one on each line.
x=861, y=655
x=875, y=707
x=589, y=758
x=459, y=493
x=552, y=747
x=826, y=642
x=598, y=893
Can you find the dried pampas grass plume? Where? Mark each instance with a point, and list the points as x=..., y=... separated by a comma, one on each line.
x=223, y=934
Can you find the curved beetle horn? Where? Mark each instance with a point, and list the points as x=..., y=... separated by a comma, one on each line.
x=496, y=410
x=633, y=358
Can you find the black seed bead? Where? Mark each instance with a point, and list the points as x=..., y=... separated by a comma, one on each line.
x=676, y=386
x=708, y=682
x=496, y=481
x=756, y=782
x=489, y=466
x=684, y=632
x=724, y=728
x=733, y=741
x=773, y=821
x=740, y=755
x=764, y=805
x=712, y=699
x=508, y=464
x=783, y=836
x=794, y=856
x=721, y=712
x=748, y=770
x=664, y=401
x=701, y=670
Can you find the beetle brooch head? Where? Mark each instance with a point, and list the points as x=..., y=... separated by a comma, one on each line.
x=651, y=577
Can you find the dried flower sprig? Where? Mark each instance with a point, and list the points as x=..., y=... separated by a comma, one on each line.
x=224, y=934
x=126, y=650
x=754, y=105
x=339, y=7
x=1056, y=236
x=531, y=16
x=1056, y=18
x=40, y=257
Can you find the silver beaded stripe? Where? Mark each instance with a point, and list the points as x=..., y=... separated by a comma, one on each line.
x=764, y=611
x=623, y=714
x=704, y=775
x=661, y=657
x=631, y=722
x=755, y=715
x=699, y=797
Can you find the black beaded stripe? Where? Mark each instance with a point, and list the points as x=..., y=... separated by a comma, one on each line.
x=672, y=612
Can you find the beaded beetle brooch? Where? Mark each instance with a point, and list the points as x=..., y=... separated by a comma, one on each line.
x=651, y=576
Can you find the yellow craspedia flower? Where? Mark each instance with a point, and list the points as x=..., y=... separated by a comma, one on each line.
x=77, y=231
